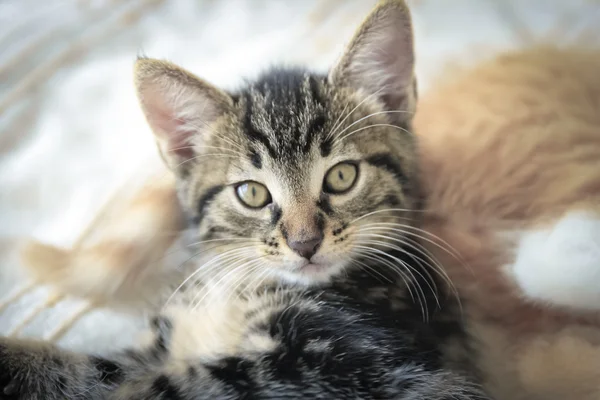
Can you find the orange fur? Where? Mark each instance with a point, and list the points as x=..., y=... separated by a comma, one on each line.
x=510, y=146
x=119, y=259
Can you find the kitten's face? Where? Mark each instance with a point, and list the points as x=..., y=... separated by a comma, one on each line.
x=297, y=176
x=297, y=187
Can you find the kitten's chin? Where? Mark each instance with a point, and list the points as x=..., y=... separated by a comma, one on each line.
x=312, y=274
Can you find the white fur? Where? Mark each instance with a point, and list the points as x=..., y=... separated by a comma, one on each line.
x=561, y=265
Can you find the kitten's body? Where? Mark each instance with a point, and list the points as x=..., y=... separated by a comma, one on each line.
x=285, y=343
x=521, y=204
x=303, y=191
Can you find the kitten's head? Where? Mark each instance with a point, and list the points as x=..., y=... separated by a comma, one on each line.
x=296, y=176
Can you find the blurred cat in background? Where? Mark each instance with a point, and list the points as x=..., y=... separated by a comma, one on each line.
x=510, y=159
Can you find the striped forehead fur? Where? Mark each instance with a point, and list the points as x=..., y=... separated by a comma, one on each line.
x=285, y=110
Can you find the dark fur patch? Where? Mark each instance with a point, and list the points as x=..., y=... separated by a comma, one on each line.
x=205, y=200
x=62, y=383
x=390, y=200
x=324, y=204
x=253, y=133
x=320, y=222
x=162, y=327
x=110, y=372
x=275, y=215
x=234, y=371
x=389, y=163
x=325, y=147
x=162, y=385
x=256, y=159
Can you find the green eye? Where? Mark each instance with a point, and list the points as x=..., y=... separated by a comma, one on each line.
x=340, y=178
x=253, y=194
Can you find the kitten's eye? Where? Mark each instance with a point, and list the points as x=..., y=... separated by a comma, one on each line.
x=340, y=178
x=253, y=194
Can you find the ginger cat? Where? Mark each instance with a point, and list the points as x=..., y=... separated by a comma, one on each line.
x=510, y=158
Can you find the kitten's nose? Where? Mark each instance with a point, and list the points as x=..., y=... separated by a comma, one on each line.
x=306, y=248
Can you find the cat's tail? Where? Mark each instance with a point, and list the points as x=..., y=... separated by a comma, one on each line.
x=119, y=259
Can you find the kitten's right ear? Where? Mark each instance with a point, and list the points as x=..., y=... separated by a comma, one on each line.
x=180, y=108
x=380, y=58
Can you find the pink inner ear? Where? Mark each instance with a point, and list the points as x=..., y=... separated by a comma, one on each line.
x=171, y=131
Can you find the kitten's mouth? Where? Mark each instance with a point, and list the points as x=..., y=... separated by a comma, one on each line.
x=312, y=268
x=311, y=272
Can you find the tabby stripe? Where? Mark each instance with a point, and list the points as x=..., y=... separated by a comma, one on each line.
x=389, y=200
x=205, y=200
x=255, y=159
x=388, y=162
x=325, y=147
x=324, y=204
x=315, y=93
x=162, y=327
x=320, y=222
x=254, y=134
x=275, y=215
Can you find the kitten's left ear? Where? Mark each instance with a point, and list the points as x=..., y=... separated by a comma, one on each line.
x=380, y=57
x=180, y=108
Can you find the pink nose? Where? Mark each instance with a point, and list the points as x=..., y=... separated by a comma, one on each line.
x=306, y=248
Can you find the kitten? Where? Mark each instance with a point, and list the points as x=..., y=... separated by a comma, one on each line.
x=303, y=189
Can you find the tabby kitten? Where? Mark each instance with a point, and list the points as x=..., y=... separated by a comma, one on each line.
x=301, y=188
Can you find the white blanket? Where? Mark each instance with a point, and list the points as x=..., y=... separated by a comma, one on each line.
x=71, y=131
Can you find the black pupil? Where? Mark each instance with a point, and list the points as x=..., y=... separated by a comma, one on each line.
x=341, y=175
x=253, y=191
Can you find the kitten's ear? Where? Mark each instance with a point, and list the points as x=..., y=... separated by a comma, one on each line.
x=180, y=108
x=380, y=57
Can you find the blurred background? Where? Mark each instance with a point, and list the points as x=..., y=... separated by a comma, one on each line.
x=71, y=130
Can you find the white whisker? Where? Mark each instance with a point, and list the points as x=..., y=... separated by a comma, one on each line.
x=231, y=270
x=370, y=126
x=450, y=250
x=202, y=267
x=332, y=132
x=254, y=265
x=409, y=269
x=238, y=153
x=249, y=240
x=234, y=263
x=369, y=116
x=205, y=155
x=374, y=270
x=418, y=259
x=385, y=210
x=409, y=281
x=405, y=241
x=416, y=246
x=221, y=137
